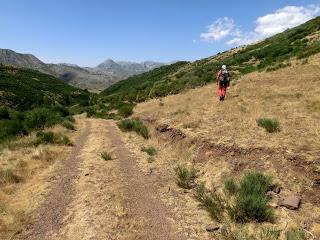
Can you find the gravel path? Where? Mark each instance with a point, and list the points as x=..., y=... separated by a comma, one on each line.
x=97, y=199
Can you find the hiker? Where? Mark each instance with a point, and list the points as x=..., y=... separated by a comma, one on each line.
x=223, y=81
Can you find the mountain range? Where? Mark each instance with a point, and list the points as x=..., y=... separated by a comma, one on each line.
x=94, y=79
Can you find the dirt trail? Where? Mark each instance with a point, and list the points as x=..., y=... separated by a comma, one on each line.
x=97, y=199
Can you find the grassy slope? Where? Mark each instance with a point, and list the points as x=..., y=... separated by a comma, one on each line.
x=24, y=89
x=291, y=95
x=270, y=54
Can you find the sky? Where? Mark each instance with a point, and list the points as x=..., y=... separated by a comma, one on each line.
x=87, y=32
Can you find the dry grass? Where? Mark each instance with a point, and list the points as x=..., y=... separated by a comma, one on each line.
x=26, y=173
x=290, y=95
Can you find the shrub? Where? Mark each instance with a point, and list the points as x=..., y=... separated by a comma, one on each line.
x=106, y=156
x=7, y=176
x=251, y=201
x=63, y=111
x=125, y=110
x=138, y=126
x=91, y=111
x=70, y=119
x=295, y=234
x=51, y=138
x=185, y=177
x=270, y=124
x=211, y=201
x=149, y=150
x=230, y=187
x=45, y=138
x=4, y=113
x=68, y=125
x=42, y=117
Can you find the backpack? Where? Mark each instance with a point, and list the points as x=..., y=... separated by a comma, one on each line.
x=224, y=78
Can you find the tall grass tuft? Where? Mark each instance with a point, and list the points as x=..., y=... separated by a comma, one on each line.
x=270, y=124
x=138, y=126
x=185, y=177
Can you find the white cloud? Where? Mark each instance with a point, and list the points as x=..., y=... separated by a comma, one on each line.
x=221, y=28
x=266, y=26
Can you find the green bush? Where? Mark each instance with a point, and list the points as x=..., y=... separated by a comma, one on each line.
x=270, y=124
x=91, y=111
x=211, y=201
x=185, y=177
x=106, y=156
x=125, y=110
x=39, y=118
x=149, y=150
x=128, y=125
x=230, y=187
x=68, y=125
x=252, y=203
x=4, y=113
x=49, y=137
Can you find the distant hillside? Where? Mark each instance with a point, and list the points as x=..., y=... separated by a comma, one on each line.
x=268, y=55
x=23, y=89
x=93, y=79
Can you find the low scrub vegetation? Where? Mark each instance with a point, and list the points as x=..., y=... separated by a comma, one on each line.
x=246, y=201
x=151, y=151
x=251, y=202
x=211, y=201
x=106, y=156
x=128, y=125
x=68, y=125
x=44, y=137
x=295, y=234
x=185, y=177
x=22, y=123
x=151, y=159
x=270, y=124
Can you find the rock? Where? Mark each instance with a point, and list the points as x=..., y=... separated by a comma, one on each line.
x=291, y=202
x=186, y=191
x=86, y=174
x=212, y=228
x=162, y=128
x=274, y=205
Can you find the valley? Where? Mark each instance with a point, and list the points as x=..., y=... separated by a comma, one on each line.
x=158, y=156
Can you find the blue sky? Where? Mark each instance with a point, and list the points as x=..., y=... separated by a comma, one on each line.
x=88, y=32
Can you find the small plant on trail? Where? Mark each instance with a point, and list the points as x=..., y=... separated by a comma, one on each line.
x=295, y=234
x=68, y=125
x=138, y=126
x=251, y=201
x=270, y=124
x=149, y=150
x=151, y=159
x=106, y=156
x=211, y=201
x=185, y=177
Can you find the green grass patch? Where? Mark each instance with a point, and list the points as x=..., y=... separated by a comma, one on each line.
x=270, y=124
x=295, y=234
x=128, y=125
x=106, y=156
